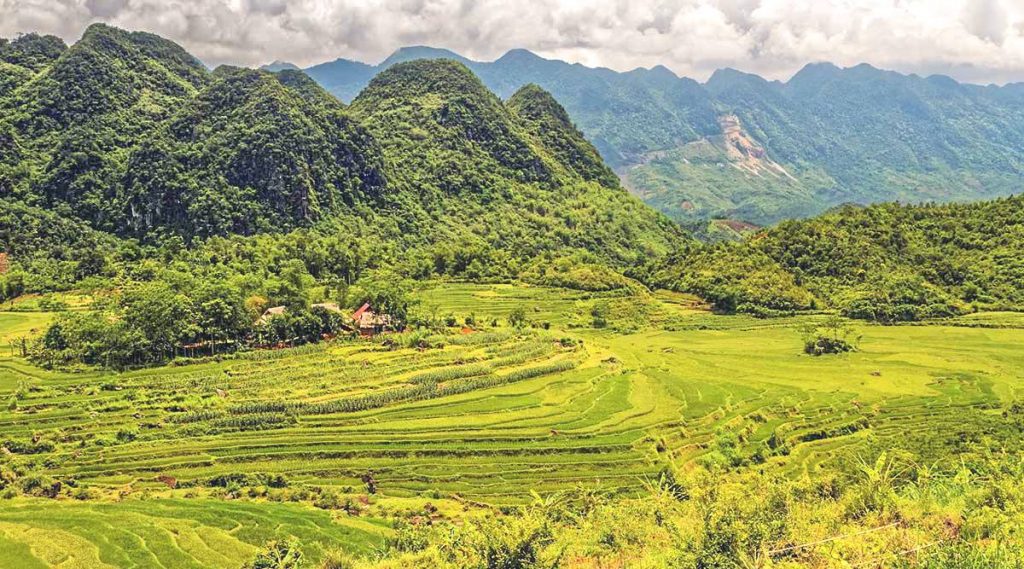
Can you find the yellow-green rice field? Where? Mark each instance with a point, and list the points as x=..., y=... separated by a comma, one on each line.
x=151, y=461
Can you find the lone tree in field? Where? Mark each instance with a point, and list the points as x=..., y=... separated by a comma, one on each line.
x=832, y=336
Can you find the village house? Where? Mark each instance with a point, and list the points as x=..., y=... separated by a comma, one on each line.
x=270, y=313
x=364, y=320
x=369, y=323
x=280, y=310
x=329, y=306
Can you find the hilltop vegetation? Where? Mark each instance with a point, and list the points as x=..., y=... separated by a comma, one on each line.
x=126, y=134
x=545, y=119
x=887, y=262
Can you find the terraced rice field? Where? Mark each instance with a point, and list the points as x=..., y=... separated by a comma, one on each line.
x=487, y=418
x=14, y=326
x=199, y=534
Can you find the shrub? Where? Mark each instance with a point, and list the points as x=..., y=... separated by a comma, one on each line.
x=599, y=313
x=283, y=554
x=822, y=345
x=517, y=318
x=328, y=500
x=28, y=447
x=337, y=559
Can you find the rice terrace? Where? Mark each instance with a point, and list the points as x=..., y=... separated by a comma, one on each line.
x=152, y=455
x=432, y=311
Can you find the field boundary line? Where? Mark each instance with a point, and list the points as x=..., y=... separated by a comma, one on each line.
x=833, y=538
x=901, y=553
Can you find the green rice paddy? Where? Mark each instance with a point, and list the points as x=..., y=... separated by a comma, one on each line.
x=488, y=418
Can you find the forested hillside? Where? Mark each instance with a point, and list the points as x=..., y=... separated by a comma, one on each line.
x=886, y=262
x=761, y=151
x=132, y=167
x=193, y=200
x=130, y=134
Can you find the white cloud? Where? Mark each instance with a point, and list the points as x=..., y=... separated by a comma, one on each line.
x=976, y=40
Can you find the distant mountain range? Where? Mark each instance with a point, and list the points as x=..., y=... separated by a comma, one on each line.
x=742, y=147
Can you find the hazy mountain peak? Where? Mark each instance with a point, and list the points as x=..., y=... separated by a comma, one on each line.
x=731, y=72
x=278, y=65
x=410, y=53
x=342, y=62
x=727, y=77
x=519, y=55
x=943, y=81
x=658, y=72
x=816, y=72
x=865, y=67
x=662, y=70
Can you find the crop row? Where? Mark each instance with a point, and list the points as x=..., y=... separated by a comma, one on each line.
x=423, y=391
x=451, y=373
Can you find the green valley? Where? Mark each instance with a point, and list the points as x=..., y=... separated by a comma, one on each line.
x=280, y=433
x=265, y=319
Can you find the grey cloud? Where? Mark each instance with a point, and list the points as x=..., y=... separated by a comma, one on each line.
x=270, y=7
x=987, y=19
x=977, y=40
x=105, y=8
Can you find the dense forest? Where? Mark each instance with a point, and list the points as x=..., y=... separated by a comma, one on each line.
x=132, y=135
x=886, y=262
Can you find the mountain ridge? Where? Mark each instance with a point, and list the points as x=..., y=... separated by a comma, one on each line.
x=911, y=138
x=130, y=135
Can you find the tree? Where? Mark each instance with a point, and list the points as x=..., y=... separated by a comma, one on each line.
x=293, y=285
x=221, y=313
x=387, y=293
x=91, y=262
x=517, y=318
x=330, y=321
x=831, y=336
x=163, y=317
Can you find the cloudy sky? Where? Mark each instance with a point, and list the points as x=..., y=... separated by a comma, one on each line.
x=974, y=40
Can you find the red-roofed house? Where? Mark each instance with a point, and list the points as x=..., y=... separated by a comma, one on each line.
x=369, y=322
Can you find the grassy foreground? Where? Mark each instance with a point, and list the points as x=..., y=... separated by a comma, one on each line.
x=198, y=465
